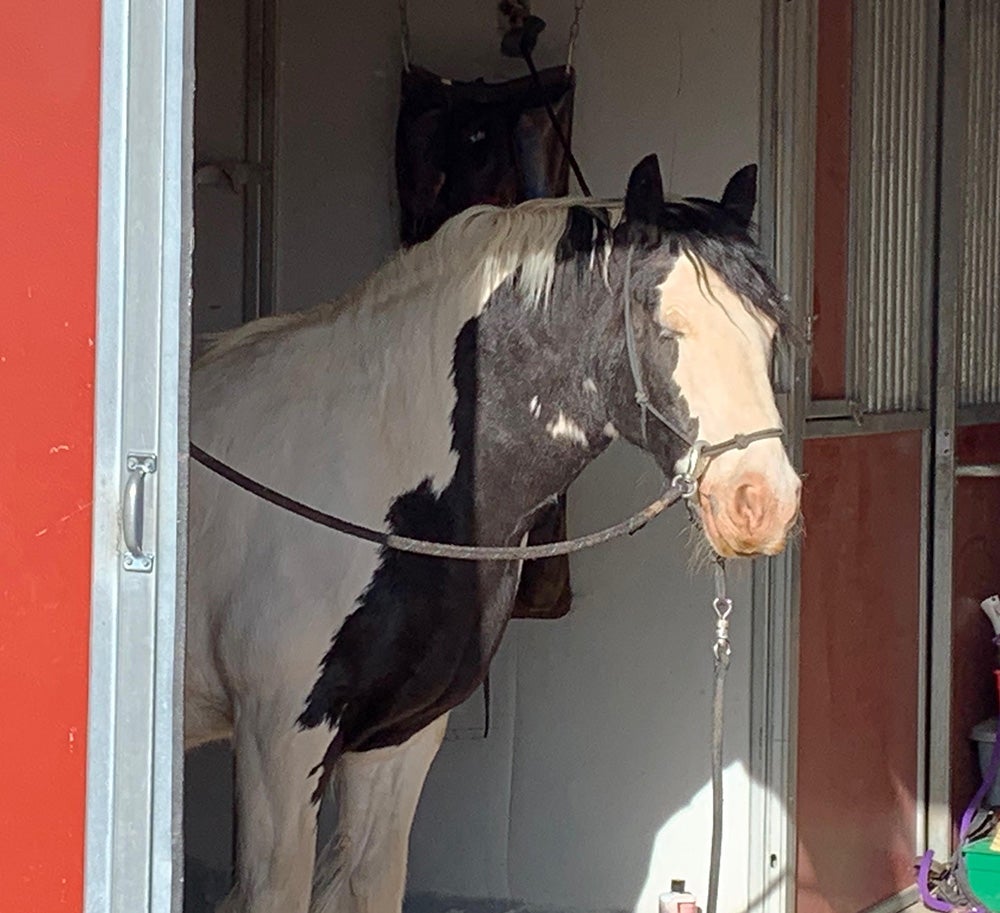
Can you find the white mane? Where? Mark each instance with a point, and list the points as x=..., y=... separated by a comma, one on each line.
x=469, y=257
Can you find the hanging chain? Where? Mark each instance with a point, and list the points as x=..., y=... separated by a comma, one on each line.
x=574, y=33
x=723, y=607
x=404, y=34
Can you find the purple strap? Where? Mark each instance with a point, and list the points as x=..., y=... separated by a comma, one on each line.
x=923, y=873
x=930, y=901
x=988, y=780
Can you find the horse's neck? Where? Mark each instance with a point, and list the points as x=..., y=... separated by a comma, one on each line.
x=367, y=395
x=539, y=413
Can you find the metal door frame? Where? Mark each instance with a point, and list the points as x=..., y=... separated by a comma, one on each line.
x=133, y=853
x=948, y=410
x=788, y=111
x=788, y=103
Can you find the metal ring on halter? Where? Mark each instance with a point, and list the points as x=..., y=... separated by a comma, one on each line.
x=685, y=484
x=692, y=464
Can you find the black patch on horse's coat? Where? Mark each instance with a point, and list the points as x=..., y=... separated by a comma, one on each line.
x=587, y=229
x=403, y=643
x=425, y=629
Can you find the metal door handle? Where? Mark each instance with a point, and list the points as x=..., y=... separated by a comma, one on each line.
x=139, y=465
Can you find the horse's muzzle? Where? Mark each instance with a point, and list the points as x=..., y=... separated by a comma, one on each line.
x=748, y=515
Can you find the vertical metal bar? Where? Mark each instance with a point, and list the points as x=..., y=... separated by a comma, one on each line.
x=108, y=462
x=974, y=272
x=965, y=334
x=992, y=338
x=986, y=214
x=870, y=33
x=859, y=238
x=788, y=160
x=924, y=140
x=258, y=235
x=866, y=31
x=911, y=303
x=895, y=342
x=950, y=194
x=928, y=127
x=133, y=838
x=253, y=127
x=982, y=185
x=923, y=647
x=985, y=167
x=268, y=145
x=175, y=360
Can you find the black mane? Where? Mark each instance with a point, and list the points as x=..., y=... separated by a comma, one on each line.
x=702, y=228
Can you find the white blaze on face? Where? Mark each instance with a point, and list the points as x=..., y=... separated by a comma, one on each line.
x=749, y=497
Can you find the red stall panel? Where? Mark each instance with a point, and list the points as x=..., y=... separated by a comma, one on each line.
x=49, y=86
x=858, y=666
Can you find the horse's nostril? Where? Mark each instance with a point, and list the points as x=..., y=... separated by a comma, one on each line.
x=750, y=507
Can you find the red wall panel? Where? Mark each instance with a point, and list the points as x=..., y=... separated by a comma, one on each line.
x=858, y=665
x=976, y=575
x=49, y=99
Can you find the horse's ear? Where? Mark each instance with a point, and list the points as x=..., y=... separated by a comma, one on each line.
x=740, y=195
x=644, y=197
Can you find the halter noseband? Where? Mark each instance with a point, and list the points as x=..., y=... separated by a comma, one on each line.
x=690, y=467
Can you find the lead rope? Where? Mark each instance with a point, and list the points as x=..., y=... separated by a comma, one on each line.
x=682, y=486
x=722, y=651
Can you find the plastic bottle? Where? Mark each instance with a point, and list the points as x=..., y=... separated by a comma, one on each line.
x=678, y=900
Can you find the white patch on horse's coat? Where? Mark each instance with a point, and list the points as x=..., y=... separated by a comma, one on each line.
x=590, y=386
x=564, y=428
x=377, y=793
x=535, y=407
x=723, y=351
x=610, y=431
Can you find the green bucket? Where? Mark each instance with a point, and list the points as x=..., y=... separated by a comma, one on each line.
x=982, y=866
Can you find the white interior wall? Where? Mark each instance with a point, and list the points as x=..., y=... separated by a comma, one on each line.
x=591, y=788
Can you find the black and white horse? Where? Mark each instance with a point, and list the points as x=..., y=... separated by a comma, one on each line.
x=449, y=398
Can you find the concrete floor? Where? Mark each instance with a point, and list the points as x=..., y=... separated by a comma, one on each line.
x=204, y=888
x=431, y=903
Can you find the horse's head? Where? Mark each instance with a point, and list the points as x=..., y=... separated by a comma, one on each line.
x=704, y=313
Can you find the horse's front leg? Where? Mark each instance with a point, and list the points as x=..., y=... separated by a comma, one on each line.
x=275, y=818
x=362, y=869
